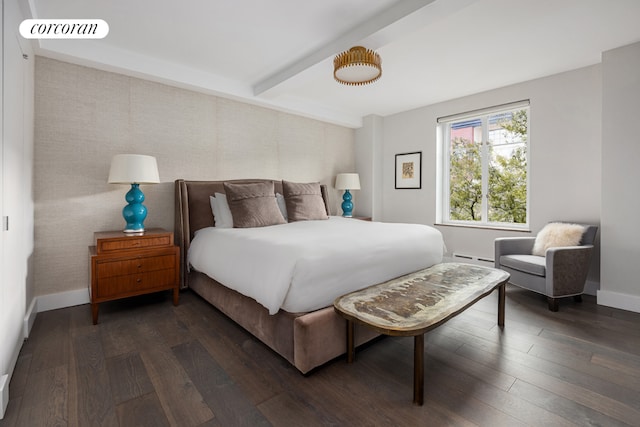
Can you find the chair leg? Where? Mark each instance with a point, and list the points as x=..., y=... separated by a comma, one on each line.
x=553, y=304
x=577, y=298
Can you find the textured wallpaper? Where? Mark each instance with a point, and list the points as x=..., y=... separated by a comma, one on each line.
x=84, y=116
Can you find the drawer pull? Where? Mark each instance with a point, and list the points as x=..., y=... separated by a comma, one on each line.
x=139, y=280
x=139, y=265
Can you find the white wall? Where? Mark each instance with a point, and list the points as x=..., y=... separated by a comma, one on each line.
x=620, y=178
x=16, y=241
x=565, y=129
x=368, y=200
x=84, y=116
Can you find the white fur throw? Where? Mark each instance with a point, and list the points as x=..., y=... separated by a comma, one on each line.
x=557, y=234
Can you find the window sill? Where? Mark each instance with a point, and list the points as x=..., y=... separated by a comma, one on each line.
x=484, y=227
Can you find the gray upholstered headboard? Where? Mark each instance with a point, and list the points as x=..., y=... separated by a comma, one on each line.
x=193, y=211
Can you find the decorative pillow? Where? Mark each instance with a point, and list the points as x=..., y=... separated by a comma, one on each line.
x=282, y=206
x=304, y=201
x=221, y=213
x=557, y=234
x=253, y=204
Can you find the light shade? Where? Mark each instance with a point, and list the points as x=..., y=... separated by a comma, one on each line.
x=348, y=181
x=357, y=66
x=133, y=168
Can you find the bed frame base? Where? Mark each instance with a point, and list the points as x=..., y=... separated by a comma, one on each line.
x=306, y=340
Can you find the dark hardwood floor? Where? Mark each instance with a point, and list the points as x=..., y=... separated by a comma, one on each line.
x=150, y=363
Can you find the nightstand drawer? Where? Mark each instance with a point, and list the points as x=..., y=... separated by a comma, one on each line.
x=131, y=284
x=110, y=241
x=139, y=264
x=132, y=243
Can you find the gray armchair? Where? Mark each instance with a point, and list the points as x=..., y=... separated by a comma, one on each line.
x=562, y=272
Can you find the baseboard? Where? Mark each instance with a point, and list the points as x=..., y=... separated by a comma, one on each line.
x=62, y=300
x=4, y=394
x=30, y=317
x=619, y=300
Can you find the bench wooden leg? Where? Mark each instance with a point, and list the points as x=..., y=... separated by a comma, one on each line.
x=418, y=369
x=502, y=290
x=350, y=343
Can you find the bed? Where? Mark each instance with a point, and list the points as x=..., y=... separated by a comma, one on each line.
x=281, y=293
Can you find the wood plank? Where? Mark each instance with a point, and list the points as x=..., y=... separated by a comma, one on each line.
x=487, y=375
x=621, y=362
x=498, y=398
x=219, y=391
x=446, y=370
x=463, y=400
x=52, y=329
x=45, y=402
x=142, y=411
x=579, y=414
x=171, y=382
x=287, y=410
x=95, y=405
x=537, y=375
x=378, y=384
x=128, y=377
x=486, y=338
x=566, y=359
x=232, y=347
x=116, y=336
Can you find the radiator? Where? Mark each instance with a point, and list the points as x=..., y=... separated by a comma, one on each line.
x=472, y=259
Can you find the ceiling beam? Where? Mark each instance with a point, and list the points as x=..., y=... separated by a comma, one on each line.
x=383, y=19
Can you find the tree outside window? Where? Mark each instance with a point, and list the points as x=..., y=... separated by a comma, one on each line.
x=486, y=169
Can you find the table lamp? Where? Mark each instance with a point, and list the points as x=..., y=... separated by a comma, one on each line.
x=134, y=169
x=346, y=182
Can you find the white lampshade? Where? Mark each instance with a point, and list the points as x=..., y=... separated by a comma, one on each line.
x=348, y=181
x=133, y=168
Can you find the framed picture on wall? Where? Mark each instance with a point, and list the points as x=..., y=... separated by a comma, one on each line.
x=409, y=170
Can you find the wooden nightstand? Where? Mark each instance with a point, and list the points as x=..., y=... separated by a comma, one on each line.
x=127, y=265
x=362, y=218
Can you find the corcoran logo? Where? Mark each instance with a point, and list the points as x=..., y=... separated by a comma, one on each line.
x=64, y=29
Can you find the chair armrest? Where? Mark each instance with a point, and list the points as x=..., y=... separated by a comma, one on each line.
x=512, y=246
x=567, y=269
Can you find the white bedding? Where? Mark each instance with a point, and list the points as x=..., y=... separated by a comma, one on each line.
x=303, y=266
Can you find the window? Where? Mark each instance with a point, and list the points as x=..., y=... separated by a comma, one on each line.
x=484, y=167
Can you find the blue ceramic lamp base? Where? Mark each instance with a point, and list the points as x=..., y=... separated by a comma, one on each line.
x=135, y=212
x=347, y=205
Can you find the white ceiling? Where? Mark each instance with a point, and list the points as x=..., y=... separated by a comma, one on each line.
x=279, y=53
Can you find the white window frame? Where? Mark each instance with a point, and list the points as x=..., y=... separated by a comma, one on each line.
x=443, y=139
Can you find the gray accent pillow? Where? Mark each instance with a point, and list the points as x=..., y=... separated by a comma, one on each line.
x=304, y=201
x=253, y=204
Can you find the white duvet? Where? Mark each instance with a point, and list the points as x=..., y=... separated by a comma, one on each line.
x=303, y=266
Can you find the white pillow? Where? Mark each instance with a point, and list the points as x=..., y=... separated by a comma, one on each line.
x=282, y=204
x=557, y=234
x=221, y=213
